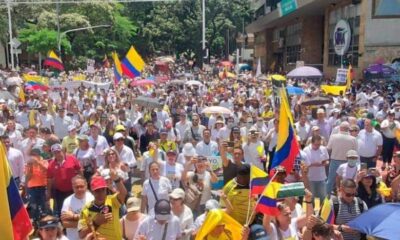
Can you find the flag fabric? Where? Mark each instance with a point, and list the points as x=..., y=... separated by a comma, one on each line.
x=349, y=78
x=334, y=90
x=15, y=222
x=327, y=213
x=36, y=86
x=106, y=63
x=287, y=147
x=21, y=94
x=133, y=64
x=117, y=69
x=258, y=180
x=267, y=203
x=54, y=61
x=36, y=78
x=258, y=72
x=217, y=217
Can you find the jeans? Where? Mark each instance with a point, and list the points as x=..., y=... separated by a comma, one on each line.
x=318, y=189
x=333, y=166
x=59, y=198
x=37, y=202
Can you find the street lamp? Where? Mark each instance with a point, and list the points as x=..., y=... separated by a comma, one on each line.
x=76, y=30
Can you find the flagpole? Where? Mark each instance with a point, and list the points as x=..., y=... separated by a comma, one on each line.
x=258, y=200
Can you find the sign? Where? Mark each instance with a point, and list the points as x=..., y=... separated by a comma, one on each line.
x=341, y=37
x=287, y=6
x=341, y=75
x=15, y=43
x=90, y=66
x=216, y=167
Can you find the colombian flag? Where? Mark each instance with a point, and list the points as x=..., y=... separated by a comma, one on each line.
x=106, y=63
x=287, y=146
x=21, y=94
x=54, y=61
x=258, y=180
x=268, y=203
x=327, y=213
x=15, y=222
x=132, y=64
x=117, y=68
x=36, y=86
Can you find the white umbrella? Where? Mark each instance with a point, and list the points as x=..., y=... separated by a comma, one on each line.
x=216, y=110
x=194, y=82
x=304, y=71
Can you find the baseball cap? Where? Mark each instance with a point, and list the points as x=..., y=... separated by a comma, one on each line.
x=83, y=137
x=162, y=210
x=257, y=232
x=177, y=193
x=212, y=204
x=352, y=154
x=320, y=110
x=235, y=129
x=119, y=127
x=95, y=125
x=35, y=151
x=56, y=147
x=71, y=128
x=51, y=223
x=118, y=135
x=171, y=152
x=188, y=150
x=97, y=182
x=163, y=131
x=133, y=204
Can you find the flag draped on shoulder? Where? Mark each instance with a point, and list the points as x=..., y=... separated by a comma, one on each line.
x=268, y=200
x=117, y=68
x=258, y=180
x=54, y=61
x=287, y=147
x=327, y=214
x=15, y=222
x=132, y=64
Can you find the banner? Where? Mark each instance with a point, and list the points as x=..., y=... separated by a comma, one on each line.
x=216, y=167
x=341, y=75
x=76, y=84
x=334, y=90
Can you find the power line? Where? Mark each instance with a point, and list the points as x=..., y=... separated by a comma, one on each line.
x=16, y=2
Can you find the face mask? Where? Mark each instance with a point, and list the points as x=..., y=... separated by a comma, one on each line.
x=230, y=125
x=352, y=163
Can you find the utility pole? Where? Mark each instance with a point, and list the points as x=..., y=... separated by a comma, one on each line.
x=10, y=34
x=58, y=25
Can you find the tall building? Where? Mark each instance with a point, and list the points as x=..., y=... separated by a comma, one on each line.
x=327, y=34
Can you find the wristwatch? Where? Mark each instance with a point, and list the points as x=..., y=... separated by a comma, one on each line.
x=340, y=228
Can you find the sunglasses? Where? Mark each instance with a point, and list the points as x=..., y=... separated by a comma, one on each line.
x=120, y=139
x=349, y=194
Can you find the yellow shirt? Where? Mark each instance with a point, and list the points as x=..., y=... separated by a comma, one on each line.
x=110, y=230
x=69, y=144
x=168, y=145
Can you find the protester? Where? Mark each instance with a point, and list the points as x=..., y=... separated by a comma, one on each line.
x=50, y=229
x=131, y=221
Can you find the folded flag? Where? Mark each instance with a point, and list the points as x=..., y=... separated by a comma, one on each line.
x=287, y=147
x=327, y=212
x=117, y=69
x=54, y=61
x=15, y=219
x=268, y=200
x=258, y=180
x=133, y=64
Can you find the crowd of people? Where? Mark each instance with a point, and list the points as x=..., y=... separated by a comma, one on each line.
x=97, y=165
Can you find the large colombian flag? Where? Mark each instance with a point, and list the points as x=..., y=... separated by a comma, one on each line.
x=327, y=213
x=15, y=223
x=287, y=146
x=117, y=68
x=54, y=61
x=258, y=180
x=267, y=203
x=132, y=64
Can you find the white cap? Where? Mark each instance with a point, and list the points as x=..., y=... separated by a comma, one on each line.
x=118, y=135
x=177, y=193
x=320, y=110
x=71, y=127
x=188, y=150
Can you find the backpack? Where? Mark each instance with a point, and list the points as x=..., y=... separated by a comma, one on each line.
x=336, y=204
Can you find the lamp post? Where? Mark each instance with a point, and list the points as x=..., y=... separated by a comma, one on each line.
x=76, y=30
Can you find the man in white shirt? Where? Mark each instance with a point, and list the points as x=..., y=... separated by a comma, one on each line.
x=45, y=119
x=224, y=133
x=125, y=154
x=207, y=147
x=183, y=124
x=316, y=159
x=156, y=227
x=16, y=160
x=303, y=129
x=389, y=126
x=254, y=152
x=61, y=123
x=369, y=144
x=22, y=117
x=98, y=143
x=30, y=142
x=73, y=205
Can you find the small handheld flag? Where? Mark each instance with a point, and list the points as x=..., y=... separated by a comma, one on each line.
x=54, y=61
x=327, y=213
x=258, y=180
x=268, y=203
x=133, y=64
x=117, y=69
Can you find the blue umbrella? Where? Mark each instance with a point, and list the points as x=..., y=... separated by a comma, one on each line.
x=295, y=90
x=380, y=221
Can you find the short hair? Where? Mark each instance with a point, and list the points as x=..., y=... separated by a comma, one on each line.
x=348, y=183
x=152, y=163
x=316, y=138
x=79, y=177
x=322, y=229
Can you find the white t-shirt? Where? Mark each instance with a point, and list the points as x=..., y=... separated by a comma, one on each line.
x=150, y=228
x=186, y=222
x=75, y=205
x=173, y=173
x=347, y=172
x=99, y=145
x=126, y=155
x=207, y=150
x=144, y=167
x=162, y=188
x=85, y=157
x=252, y=154
x=46, y=120
x=289, y=234
x=130, y=227
x=316, y=156
x=368, y=142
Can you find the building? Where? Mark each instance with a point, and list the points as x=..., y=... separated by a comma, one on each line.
x=327, y=34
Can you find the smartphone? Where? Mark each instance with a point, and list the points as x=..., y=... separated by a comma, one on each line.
x=231, y=144
x=363, y=166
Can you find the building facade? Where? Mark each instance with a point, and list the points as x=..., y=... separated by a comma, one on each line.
x=327, y=34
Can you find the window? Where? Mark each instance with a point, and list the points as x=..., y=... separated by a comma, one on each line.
x=385, y=9
x=350, y=13
x=293, y=54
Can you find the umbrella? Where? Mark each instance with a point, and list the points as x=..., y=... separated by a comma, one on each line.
x=304, y=72
x=162, y=79
x=226, y=64
x=194, y=82
x=145, y=82
x=380, y=69
x=176, y=82
x=295, y=90
x=216, y=110
x=244, y=66
x=316, y=101
x=147, y=102
x=379, y=221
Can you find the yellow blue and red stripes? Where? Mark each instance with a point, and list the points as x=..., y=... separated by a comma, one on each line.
x=268, y=202
x=327, y=212
x=133, y=64
x=117, y=68
x=15, y=222
x=54, y=61
x=258, y=180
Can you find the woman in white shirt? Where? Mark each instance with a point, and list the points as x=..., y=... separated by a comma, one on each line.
x=171, y=169
x=86, y=156
x=156, y=187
